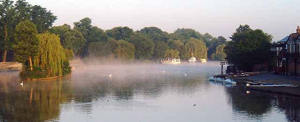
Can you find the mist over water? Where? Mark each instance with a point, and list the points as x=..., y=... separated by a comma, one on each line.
x=135, y=92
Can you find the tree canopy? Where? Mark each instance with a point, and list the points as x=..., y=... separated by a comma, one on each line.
x=219, y=54
x=120, y=33
x=26, y=44
x=70, y=39
x=12, y=13
x=248, y=47
x=195, y=47
x=51, y=55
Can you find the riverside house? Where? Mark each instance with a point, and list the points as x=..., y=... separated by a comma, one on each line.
x=287, y=53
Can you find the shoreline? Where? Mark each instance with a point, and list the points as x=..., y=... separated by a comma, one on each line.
x=10, y=66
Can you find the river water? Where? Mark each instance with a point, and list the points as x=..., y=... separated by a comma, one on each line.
x=140, y=93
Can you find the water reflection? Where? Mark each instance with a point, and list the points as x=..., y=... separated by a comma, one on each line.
x=35, y=101
x=89, y=88
x=257, y=104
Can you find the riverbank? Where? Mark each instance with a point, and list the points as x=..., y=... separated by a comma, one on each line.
x=10, y=66
x=269, y=78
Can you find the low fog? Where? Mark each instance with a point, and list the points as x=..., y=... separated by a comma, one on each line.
x=116, y=71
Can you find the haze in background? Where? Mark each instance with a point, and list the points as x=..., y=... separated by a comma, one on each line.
x=218, y=17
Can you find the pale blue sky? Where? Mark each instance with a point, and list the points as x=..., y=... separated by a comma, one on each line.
x=218, y=17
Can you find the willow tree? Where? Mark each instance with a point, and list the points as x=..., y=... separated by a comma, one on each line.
x=195, y=47
x=26, y=44
x=51, y=55
x=220, y=54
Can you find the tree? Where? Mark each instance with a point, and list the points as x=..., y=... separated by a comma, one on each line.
x=120, y=33
x=70, y=39
x=74, y=41
x=248, y=48
x=12, y=14
x=195, y=47
x=102, y=49
x=26, y=43
x=171, y=53
x=154, y=34
x=219, y=54
x=143, y=46
x=84, y=26
x=160, y=49
x=213, y=44
x=51, y=55
x=23, y=11
x=125, y=50
x=91, y=34
x=177, y=45
x=42, y=18
x=7, y=14
x=185, y=34
x=97, y=35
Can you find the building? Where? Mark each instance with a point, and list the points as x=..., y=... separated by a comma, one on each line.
x=287, y=53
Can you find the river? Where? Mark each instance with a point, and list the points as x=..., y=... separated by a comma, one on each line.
x=140, y=93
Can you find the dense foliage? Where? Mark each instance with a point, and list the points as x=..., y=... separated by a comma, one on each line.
x=26, y=45
x=248, y=48
x=150, y=43
x=12, y=13
x=51, y=56
x=86, y=40
x=219, y=54
x=24, y=37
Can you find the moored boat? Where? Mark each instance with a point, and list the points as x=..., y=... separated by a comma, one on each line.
x=222, y=79
x=171, y=61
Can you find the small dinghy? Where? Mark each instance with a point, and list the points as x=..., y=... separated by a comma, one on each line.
x=222, y=80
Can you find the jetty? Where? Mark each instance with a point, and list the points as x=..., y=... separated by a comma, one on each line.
x=269, y=82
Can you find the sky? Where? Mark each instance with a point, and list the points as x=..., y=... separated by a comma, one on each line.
x=217, y=17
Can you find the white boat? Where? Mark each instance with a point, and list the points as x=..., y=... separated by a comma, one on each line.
x=171, y=61
x=203, y=60
x=192, y=60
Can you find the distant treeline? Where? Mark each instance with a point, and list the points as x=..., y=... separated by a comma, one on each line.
x=86, y=40
x=149, y=43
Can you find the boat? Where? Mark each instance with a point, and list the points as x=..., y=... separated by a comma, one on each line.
x=222, y=80
x=171, y=61
x=203, y=60
x=192, y=60
x=265, y=85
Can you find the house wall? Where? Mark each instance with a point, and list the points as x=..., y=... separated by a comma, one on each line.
x=291, y=67
x=298, y=67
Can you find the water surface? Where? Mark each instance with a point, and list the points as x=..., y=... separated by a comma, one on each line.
x=140, y=93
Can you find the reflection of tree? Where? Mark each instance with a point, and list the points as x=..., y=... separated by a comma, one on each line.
x=291, y=106
x=259, y=103
x=125, y=93
x=254, y=104
x=36, y=101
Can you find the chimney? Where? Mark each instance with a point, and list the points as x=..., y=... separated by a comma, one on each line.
x=298, y=30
